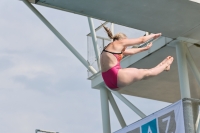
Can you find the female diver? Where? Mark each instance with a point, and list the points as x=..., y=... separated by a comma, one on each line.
x=114, y=76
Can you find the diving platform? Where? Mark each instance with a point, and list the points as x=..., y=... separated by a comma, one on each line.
x=180, y=18
x=173, y=18
x=179, y=23
x=164, y=87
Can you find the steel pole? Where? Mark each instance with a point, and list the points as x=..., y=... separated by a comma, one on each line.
x=129, y=104
x=105, y=110
x=62, y=39
x=184, y=87
x=182, y=70
x=198, y=124
x=94, y=39
x=192, y=65
x=116, y=110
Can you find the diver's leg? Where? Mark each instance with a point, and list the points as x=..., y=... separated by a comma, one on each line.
x=128, y=75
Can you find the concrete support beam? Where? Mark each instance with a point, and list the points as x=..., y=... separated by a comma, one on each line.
x=105, y=110
x=129, y=104
x=184, y=87
x=116, y=110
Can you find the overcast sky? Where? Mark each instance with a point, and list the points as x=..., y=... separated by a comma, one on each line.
x=42, y=84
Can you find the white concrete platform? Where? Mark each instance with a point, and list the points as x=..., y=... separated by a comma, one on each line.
x=172, y=18
x=164, y=87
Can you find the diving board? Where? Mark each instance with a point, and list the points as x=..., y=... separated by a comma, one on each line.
x=172, y=18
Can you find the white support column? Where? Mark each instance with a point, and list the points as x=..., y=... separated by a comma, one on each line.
x=195, y=109
x=184, y=87
x=105, y=110
x=192, y=65
x=62, y=39
x=112, y=28
x=94, y=39
x=129, y=104
x=116, y=110
x=182, y=70
x=198, y=124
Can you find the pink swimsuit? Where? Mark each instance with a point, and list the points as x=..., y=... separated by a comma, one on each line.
x=110, y=76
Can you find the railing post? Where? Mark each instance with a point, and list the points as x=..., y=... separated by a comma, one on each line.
x=94, y=39
x=112, y=28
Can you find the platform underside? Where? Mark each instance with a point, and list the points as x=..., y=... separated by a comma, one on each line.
x=172, y=18
x=164, y=87
x=175, y=18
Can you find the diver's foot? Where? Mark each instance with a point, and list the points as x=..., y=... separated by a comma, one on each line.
x=164, y=61
x=169, y=62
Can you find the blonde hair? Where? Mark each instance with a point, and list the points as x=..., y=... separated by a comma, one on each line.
x=117, y=36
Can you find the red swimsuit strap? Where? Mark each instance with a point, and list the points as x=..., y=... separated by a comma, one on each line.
x=118, y=56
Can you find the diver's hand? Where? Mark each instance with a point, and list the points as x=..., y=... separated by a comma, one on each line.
x=148, y=46
x=157, y=35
